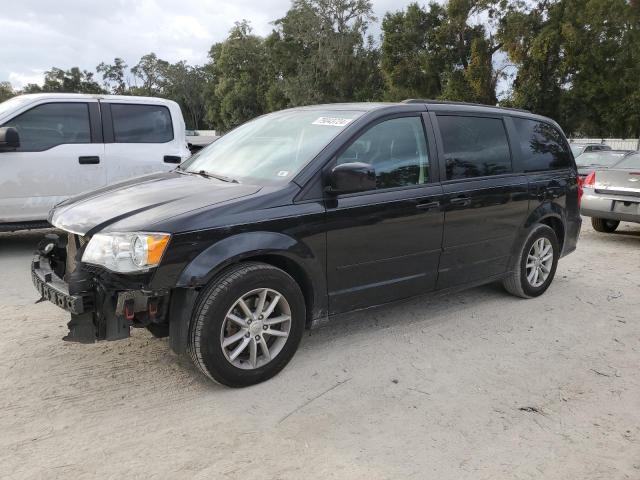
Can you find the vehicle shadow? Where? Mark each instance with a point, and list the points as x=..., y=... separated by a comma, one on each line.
x=406, y=312
x=627, y=232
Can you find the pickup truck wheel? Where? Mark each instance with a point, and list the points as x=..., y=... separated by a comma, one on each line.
x=247, y=324
x=536, y=264
x=603, y=225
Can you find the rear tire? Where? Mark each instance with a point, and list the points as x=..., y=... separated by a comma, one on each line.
x=534, y=270
x=247, y=324
x=603, y=225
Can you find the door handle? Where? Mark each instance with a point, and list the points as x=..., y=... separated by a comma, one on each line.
x=428, y=206
x=172, y=159
x=91, y=160
x=460, y=201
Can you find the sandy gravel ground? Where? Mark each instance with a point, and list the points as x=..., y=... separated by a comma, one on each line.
x=478, y=385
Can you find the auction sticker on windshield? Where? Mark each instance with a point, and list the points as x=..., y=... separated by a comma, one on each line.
x=332, y=121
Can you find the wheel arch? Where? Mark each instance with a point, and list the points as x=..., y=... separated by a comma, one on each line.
x=277, y=249
x=549, y=214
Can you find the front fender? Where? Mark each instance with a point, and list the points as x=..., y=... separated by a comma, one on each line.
x=297, y=258
x=238, y=247
x=266, y=246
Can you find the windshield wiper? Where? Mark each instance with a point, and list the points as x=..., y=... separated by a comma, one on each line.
x=205, y=174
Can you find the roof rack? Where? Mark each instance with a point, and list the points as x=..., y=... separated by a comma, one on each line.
x=448, y=102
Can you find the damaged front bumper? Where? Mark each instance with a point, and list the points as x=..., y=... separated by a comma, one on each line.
x=53, y=288
x=101, y=309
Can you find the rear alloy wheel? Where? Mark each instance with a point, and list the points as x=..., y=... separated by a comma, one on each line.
x=539, y=262
x=247, y=325
x=536, y=264
x=603, y=225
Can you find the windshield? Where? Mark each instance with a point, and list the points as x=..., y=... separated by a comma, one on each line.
x=631, y=161
x=12, y=104
x=576, y=149
x=271, y=149
x=604, y=159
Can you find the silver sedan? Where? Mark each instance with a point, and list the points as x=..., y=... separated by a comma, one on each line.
x=613, y=195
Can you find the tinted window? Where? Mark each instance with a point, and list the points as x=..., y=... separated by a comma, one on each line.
x=542, y=146
x=397, y=150
x=474, y=146
x=46, y=126
x=141, y=123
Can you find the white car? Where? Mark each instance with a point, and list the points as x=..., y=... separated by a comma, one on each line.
x=53, y=146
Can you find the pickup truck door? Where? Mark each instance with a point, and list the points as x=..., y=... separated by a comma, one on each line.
x=61, y=154
x=141, y=138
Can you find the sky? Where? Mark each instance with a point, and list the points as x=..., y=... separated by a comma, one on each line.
x=36, y=35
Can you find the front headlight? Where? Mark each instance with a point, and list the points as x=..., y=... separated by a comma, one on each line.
x=126, y=252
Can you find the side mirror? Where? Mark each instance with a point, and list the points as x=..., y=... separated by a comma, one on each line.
x=9, y=139
x=352, y=177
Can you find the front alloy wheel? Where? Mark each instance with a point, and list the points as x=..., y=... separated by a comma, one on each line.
x=256, y=328
x=247, y=324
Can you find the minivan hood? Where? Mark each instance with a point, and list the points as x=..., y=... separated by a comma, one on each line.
x=140, y=202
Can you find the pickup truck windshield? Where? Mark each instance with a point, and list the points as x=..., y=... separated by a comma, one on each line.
x=271, y=149
x=12, y=104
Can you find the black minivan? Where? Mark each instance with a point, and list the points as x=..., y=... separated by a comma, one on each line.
x=307, y=213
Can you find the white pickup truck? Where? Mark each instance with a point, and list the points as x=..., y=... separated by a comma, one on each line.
x=53, y=146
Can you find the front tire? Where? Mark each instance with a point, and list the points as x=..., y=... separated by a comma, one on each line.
x=603, y=225
x=536, y=264
x=247, y=324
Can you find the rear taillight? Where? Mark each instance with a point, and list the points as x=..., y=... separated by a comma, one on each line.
x=580, y=190
x=590, y=181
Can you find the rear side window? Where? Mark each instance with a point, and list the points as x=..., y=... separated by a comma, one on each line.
x=542, y=146
x=52, y=124
x=474, y=146
x=141, y=123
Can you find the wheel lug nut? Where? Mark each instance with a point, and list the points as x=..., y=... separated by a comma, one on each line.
x=264, y=327
x=257, y=337
x=247, y=334
x=260, y=317
x=248, y=322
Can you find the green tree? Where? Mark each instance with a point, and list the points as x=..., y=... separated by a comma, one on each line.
x=113, y=76
x=73, y=80
x=150, y=71
x=319, y=52
x=6, y=91
x=187, y=85
x=237, y=92
x=412, y=58
x=577, y=62
x=438, y=52
x=532, y=40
